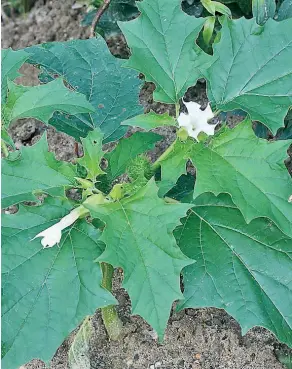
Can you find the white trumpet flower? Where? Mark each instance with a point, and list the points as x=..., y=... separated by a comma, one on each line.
x=52, y=235
x=196, y=120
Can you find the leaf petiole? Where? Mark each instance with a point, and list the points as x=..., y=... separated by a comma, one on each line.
x=4, y=148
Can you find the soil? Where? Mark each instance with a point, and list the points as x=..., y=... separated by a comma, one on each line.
x=195, y=338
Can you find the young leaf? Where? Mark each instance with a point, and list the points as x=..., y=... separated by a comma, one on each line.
x=244, y=269
x=46, y=292
x=127, y=150
x=92, y=148
x=162, y=41
x=88, y=67
x=42, y=101
x=151, y=120
x=251, y=170
x=263, y=87
x=138, y=238
x=11, y=61
x=34, y=169
x=263, y=10
x=174, y=165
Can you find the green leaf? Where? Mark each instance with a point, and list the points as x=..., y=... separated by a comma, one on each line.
x=92, y=148
x=88, y=67
x=173, y=165
x=35, y=169
x=184, y=189
x=117, y=11
x=138, y=238
x=242, y=268
x=127, y=150
x=263, y=87
x=162, y=41
x=251, y=170
x=151, y=120
x=263, y=10
x=6, y=138
x=42, y=101
x=46, y=292
x=11, y=61
x=285, y=10
x=214, y=6
x=208, y=29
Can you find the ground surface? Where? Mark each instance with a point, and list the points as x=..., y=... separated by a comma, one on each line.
x=195, y=339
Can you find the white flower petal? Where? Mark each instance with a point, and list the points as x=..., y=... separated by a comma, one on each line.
x=196, y=121
x=184, y=120
x=208, y=112
x=193, y=108
x=51, y=236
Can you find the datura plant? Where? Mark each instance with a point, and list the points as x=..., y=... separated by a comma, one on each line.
x=227, y=233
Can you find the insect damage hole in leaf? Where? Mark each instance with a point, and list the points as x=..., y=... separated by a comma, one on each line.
x=88, y=65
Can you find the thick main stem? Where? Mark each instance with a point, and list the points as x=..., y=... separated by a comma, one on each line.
x=109, y=314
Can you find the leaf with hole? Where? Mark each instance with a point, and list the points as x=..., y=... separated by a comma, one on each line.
x=262, y=87
x=162, y=42
x=89, y=68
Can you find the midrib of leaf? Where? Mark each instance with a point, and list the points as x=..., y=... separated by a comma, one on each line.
x=148, y=72
x=264, y=65
x=231, y=66
x=248, y=92
x=112, y=105
x=44, y=284
x=36, y=298
x=172, y=76
x=242, y=261
x=142, y=260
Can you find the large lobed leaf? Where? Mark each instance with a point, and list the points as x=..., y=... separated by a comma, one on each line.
x=42, y=101
x=251, y=70
x=251, y=170
x=46, y=292
x=162, y=41
x=88, y=67
x=138, y=238
x=245, y=269
x=35, y=169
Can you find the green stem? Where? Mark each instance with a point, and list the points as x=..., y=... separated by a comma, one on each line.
x=167, y=152
x=177, y=107
x=4, y=148
x=109, y=314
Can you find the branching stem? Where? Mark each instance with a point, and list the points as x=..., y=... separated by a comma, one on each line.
x=98, y=15
x=109, y=314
